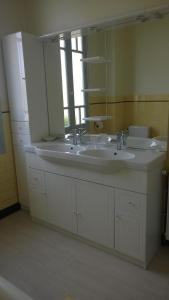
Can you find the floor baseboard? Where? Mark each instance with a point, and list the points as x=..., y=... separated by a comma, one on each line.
x=9, y=210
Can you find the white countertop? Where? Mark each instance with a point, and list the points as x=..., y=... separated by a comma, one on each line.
x=143, y=160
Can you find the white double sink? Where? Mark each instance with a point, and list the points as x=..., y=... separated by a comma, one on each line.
x=97, y=155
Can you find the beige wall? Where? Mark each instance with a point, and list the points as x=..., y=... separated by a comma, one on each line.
x=12, y=16
x=53, y=15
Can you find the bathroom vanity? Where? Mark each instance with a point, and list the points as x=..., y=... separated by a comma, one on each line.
x=116, y=209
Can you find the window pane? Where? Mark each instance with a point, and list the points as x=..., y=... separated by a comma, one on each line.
x=82, y=115
x=62, y=43
x=77, y=116
x=64, y=78
x=78, y=82
x=73, y=41
x=79, y=43
x=66, y=118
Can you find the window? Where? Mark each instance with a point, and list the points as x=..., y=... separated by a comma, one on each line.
x=74, y=100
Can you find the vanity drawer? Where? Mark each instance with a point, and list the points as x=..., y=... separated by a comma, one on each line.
x=130, y=202
x=36, y=180
x=21, y=139
x=20, y=127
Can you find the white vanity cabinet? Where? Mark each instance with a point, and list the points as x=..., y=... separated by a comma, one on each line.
x=26, y=85
x=117, y=211
x=107, y=216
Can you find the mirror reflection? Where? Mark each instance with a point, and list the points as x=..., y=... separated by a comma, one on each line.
x=118, y=72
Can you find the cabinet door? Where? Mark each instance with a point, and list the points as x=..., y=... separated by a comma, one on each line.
x=12, y=56
x=37, y=194
x=95, y=212
x=24, y=65
x=61, y=201
x=21, y=172
x=38, y=205
x=129, y=236
x=35, y=86
x=130, y=224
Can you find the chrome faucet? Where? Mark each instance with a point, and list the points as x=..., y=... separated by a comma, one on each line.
x=121, y=140
x=81, y=132
x=76, y=135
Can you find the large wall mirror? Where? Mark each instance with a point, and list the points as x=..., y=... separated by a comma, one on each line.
x=121, y=72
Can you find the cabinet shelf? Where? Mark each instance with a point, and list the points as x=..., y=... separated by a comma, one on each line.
x=93, y=90
x=95, y=60
x=97, y=118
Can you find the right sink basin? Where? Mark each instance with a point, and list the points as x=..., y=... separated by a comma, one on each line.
x=107, y=154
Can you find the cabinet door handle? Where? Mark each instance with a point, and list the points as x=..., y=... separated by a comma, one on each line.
x=35, y=179
x=131, y=203
x=77, y=213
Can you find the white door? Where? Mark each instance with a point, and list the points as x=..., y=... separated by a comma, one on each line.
x=61, y=201
x=95, y=212
x=130, y=223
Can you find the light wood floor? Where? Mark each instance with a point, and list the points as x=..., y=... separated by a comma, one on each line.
x=47, y=265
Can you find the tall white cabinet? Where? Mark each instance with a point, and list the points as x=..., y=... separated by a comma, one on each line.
x=24, y=66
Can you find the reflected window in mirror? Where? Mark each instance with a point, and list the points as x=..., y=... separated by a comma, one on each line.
x=73, y=76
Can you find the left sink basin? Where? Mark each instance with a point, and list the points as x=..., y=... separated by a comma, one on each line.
x=60, y=148
x=58, y=151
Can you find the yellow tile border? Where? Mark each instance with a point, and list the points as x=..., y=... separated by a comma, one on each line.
x=152, y=98
x=133, y=98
